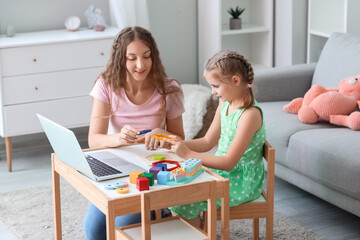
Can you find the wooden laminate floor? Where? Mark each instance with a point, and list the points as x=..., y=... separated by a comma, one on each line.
x=31, y=167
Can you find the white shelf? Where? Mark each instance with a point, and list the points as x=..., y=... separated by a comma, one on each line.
x=324, y=32
x=254, y=40
x=246, y=28
x=326, y=17
x=55, y=36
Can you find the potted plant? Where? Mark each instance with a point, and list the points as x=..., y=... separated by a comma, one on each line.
x=235, y=21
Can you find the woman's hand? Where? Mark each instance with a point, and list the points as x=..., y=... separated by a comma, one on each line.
x=151, y=143
x=127, y=135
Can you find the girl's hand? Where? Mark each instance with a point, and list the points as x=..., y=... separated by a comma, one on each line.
x=178, y=146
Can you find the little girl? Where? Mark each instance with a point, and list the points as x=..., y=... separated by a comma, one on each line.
x=237, y=127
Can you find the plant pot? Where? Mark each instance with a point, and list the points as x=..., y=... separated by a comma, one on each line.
x=235, y=23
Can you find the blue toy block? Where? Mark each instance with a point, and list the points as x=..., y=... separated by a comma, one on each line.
x=155, y=170
x=162, y=165
x=163, y=177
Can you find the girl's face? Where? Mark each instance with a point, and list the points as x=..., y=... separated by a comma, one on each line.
x=138, y=60
x=224, y=90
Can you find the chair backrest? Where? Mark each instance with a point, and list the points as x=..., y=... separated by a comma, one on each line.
x=269, y=156
x=175, y=196
x=258, y=209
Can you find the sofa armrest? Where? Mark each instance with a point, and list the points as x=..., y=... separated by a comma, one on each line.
x=283, y=83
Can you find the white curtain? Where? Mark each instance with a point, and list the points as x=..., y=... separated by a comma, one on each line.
x=127, y=13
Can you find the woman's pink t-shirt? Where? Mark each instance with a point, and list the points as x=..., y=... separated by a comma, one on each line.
x=144, y=116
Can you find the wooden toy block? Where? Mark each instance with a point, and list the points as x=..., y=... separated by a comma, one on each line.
x=142, y=183
x=162, y=165
x=134, y=175
x=163, y=177
x=176, y=163
x=158, y=157
x=150, y=176
x=120, y=184
x=179, y=174
x=155, y=170
x=122, y=190
x=193, y=168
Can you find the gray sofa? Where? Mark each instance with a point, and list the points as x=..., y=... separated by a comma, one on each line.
x=321, y=158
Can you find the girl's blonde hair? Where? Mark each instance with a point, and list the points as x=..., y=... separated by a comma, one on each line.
x=228, y=64
x=115, y=72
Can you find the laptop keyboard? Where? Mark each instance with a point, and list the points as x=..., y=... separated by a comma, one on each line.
x=99, y=168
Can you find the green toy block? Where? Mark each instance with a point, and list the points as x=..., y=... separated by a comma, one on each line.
x=149, y=176
x=158, y=157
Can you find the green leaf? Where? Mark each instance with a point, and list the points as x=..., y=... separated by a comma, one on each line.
x=235, y=13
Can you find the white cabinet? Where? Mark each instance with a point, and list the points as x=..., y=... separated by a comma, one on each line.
x=326, y=17
x=254, y=40
x=51, y=73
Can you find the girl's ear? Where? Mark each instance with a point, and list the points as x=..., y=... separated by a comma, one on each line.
x=236, y=80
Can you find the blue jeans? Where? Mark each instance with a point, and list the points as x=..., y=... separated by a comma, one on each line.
x=95, y=222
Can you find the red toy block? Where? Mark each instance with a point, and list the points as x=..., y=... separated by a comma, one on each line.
x=142, y=183
x=168, y=161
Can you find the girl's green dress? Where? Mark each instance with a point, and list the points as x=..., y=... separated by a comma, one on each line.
x=246, y=178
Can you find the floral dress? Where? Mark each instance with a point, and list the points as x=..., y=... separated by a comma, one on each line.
x=246, y=178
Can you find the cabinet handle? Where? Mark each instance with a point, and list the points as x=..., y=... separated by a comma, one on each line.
x=36, y=88
x=34, y=59
x=102, y=53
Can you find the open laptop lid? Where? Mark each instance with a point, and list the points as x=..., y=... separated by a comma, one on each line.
x=65, y=145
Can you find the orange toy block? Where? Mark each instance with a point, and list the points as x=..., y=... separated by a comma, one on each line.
x=134, y=175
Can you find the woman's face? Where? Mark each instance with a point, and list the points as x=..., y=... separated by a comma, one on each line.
x=138, y=60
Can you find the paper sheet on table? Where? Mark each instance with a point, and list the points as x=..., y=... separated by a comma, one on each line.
x=146, y=155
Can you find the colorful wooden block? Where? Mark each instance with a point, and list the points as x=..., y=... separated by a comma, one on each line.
x=134, y=175
x=158, y=157
x=163, y=177
x=122, y=190
x=155, y=171
x=162, y=165
x=142, y=183
x=150, y=176
x=120, y=184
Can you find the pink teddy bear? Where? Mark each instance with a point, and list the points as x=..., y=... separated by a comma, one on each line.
x=337, y=105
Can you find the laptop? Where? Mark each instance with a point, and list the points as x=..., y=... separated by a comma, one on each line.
x=98, y=165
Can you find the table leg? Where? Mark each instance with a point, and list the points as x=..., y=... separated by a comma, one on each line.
x=212, y=213
x=8, y=152
x=56, y=201
x=110, y=222
x=225, y=212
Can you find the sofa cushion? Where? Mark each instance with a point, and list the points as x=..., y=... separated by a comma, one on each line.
x=280, y=126
x=340, y=58
x=328, y=156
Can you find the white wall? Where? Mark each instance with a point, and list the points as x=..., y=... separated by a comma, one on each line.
x=174, y=26
x=172, y=23
x=41, y=15
x=290, y=32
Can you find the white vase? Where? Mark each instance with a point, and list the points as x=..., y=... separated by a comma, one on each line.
x=235, y=23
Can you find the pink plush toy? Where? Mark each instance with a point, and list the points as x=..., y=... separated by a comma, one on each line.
x=337, y=105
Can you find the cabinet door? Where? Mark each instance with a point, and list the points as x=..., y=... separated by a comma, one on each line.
x=48, y=86
x=72, y=112
x=54, y=57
